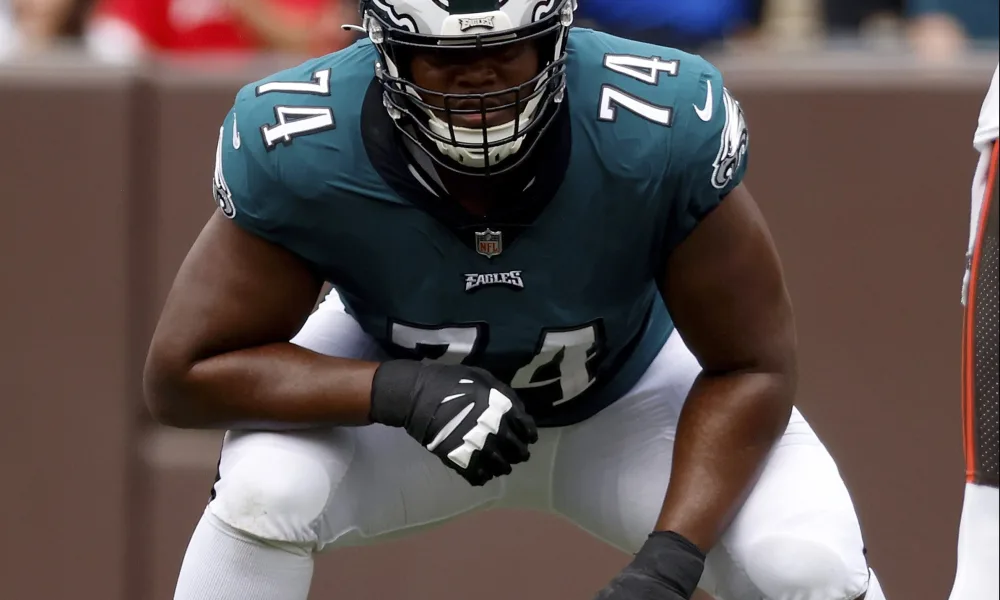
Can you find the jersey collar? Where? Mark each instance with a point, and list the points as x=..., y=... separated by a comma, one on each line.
x=532, y=187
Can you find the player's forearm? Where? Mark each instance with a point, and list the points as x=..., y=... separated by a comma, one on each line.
x=278, y=385
x=727, y=428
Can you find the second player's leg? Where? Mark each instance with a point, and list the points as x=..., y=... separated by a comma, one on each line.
x=978, y=572
x=977, y=575
x=281, y=497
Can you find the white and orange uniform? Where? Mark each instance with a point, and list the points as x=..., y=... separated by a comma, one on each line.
x=978, y=573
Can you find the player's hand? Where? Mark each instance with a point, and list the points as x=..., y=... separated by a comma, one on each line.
x=474, y=423
x=667, y=567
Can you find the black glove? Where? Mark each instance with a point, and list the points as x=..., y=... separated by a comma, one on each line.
x=667, y=567
x=474, y=423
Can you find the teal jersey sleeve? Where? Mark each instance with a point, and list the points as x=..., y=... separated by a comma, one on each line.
x=709, y=153
x=246, y=184
x=287, y=147
x=264, y=179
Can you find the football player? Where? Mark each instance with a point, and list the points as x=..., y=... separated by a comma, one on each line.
x=542, y=249
x=978, y=574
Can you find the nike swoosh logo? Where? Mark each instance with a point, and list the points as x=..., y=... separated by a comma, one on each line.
x=237, y=142
x=705, y=114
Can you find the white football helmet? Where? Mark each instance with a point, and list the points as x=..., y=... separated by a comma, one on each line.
x=399, y=26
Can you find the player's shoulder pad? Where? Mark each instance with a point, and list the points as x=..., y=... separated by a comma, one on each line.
x=648, y=71
x=307, y=101
x=989, y=117
x=285, y=135
x=631, y=84
x=666, y=105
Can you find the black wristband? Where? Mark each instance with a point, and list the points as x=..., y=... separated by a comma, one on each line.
x=670, y=550
x=393, y=387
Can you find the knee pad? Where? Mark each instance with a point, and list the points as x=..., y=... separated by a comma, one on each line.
x=792, y=568
x=273, y=488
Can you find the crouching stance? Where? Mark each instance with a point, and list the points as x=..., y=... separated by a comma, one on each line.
x=553, y=292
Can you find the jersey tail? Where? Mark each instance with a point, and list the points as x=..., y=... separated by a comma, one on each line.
x=979, y=344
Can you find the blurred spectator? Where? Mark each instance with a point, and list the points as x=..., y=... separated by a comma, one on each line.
x=978, y=19
x=7, y=30
x=936, y=28
x=684, y=24
x=125, y=30
x=943, y=27
x=30, y=25
x=849, y=16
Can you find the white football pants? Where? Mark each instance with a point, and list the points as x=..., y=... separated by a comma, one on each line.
x=796, y=538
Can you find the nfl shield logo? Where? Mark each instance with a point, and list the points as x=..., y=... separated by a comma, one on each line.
x=489, y=243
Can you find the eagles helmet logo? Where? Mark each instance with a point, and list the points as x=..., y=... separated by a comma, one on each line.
x=733, y=143
x=480, y=22
x=467, y=5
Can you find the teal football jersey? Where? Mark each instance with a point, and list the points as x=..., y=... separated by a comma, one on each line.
x=557, y=294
